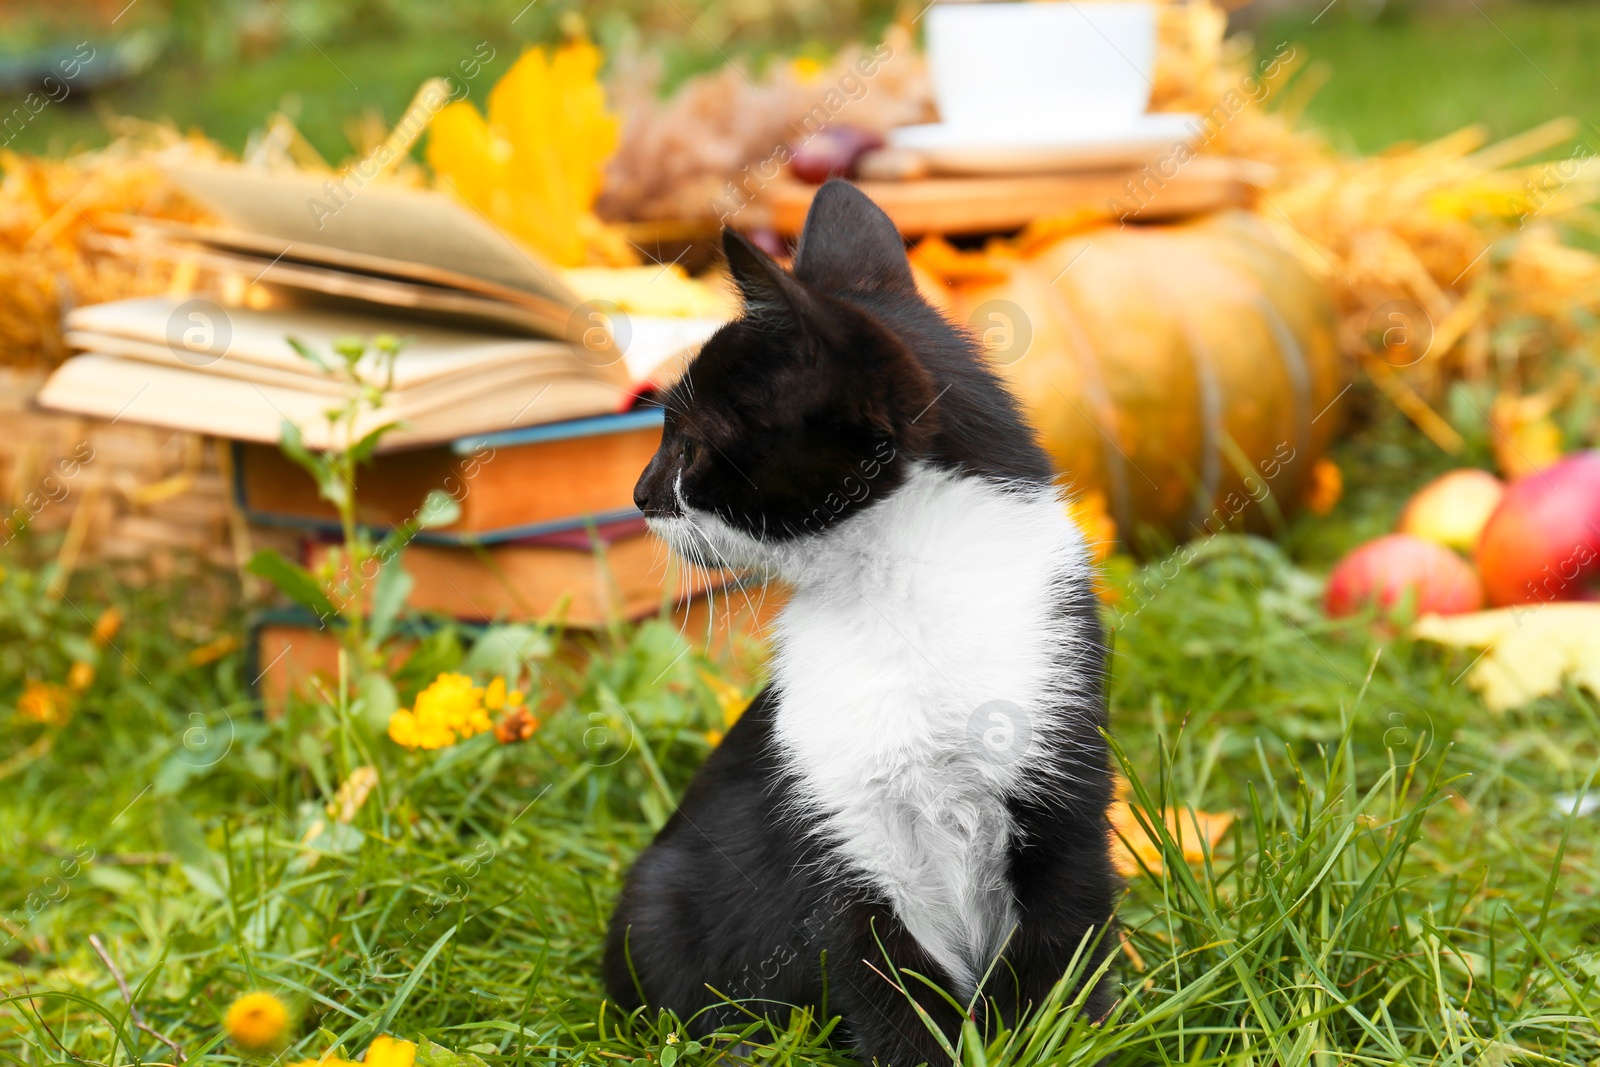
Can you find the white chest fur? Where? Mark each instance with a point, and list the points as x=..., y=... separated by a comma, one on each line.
x=921, y=674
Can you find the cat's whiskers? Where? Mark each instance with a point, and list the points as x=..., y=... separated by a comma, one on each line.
x=726, y=567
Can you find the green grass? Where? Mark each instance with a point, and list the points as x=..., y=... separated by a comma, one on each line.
x=1418, y=75
x=322, y=91
x=1401, y=884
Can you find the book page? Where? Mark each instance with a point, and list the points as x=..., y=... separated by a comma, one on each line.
x=527, y=314
x=483, y=380
x=201, y=334
x=265, y=249
x=657, y=350
x=373, y=219
x=120, y=389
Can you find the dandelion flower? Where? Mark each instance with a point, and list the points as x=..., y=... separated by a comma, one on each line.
x=405, y=728
x=107, y=625
x=81, y=676
x=451, y=709
x=45, y=702
x=497, y=696
x=730, y=698
x=806, y=70
x=256, y=1021
x=386, y=1051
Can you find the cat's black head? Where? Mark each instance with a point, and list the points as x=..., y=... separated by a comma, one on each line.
x=814, y=403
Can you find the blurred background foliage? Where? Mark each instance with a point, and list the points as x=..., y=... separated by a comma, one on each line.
x=1391, y=70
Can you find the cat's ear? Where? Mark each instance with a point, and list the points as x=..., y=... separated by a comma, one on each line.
x=849, y=243
x=771, y=296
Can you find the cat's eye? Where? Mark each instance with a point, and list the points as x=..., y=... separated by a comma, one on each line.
x=691, y=452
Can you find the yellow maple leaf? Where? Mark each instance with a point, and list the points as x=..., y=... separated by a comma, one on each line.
x=535, y=165
x=1529, y=649
x=1197, y=832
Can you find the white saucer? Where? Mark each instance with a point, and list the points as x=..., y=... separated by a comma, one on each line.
x=953, y=149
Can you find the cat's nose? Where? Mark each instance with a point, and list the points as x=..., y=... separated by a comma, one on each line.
x=652, y=493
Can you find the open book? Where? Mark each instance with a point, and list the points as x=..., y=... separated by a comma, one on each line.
x=496, y=338
x=192, y=365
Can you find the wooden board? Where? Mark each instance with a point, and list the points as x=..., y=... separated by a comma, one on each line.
x=987, y=205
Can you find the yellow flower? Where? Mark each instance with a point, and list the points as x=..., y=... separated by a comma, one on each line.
x=212, y=650
x=1324, y=488
x=497, y=698
x=451, y=709
x=81, y=676
x=256, y=1021
x=45, y=702
x=414, y=731
x=806, y=70
x=107, y=625
x=386, y=1051
x=730, y=698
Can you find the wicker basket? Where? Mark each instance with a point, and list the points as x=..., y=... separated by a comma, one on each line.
x=117, y=491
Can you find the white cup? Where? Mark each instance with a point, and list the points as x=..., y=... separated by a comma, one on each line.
x=1042, y=65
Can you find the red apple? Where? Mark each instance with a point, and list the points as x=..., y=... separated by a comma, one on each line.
x=1381, y=572
x=1543, y=542
x=1453, y=508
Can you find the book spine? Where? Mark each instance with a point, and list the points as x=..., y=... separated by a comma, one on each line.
x=486, y=538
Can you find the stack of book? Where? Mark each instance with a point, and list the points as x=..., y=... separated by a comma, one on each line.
x=523, y=401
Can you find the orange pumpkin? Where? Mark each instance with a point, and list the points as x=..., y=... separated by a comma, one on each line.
x=1188, y=371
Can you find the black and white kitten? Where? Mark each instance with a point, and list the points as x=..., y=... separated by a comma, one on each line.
x=923, y=784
